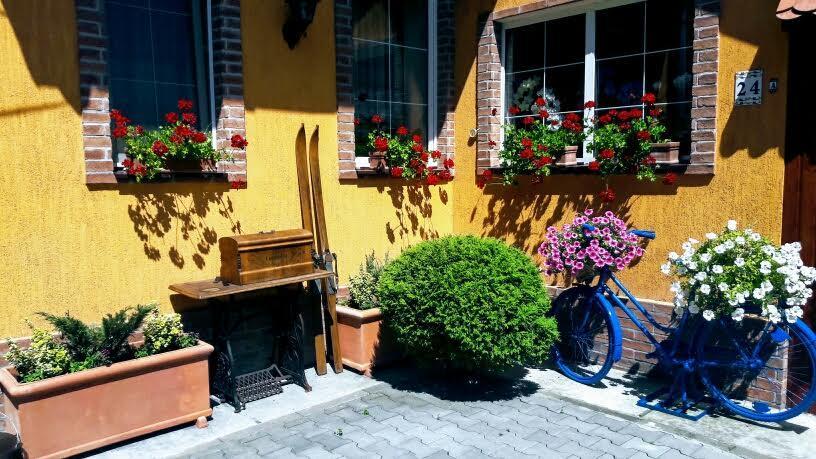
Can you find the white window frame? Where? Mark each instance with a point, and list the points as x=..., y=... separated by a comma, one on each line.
x=588, y=8
x=362, y=162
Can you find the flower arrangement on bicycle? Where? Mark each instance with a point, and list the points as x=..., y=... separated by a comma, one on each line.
x=405, y=154
x=149, y=150
x=739, y=270
x=533, y=144
x=578, y=251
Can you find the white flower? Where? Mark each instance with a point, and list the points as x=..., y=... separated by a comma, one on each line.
x=693, y=241
x=665, y=268
x=759, y=293
x=679, y=310
x=711, y=236
x=692, y=265
x=705, y=258
x=766, y=285
x=673, y=256
x=739, y=240
x=717, y=269
x=722, y=286
x=732, y=225
x=720, y=249
x=687, y=247
x=675, y=287
x=774, y=317
x=701, y=276
x=692, y=308
x=738, y=314
x=705, y=289
x=740, y=297
x=729, y=244
x=765, y=267
x=754, y=236
x=739, y=262
x=708, y=314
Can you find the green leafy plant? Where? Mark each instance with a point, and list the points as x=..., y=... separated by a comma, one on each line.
x=363, y=285
x=44, y=358
x=467, y=303
x=163, y=333
x=149, y=150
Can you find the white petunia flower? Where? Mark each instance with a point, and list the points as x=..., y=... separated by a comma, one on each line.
x=739, y=262
x=693, y=241
x=711, y=236
x=738, y=314
x=709, y=315
x=759, y=293
x=739, y=240
x=673, y=256
x=692, y=308
x=720, y=249
x=675, y=287
x=665, y=268
x=729, y=244
x=732, y=225
x=717, y=269
x=692, y=265
x=705, y=289
x=705, y=258
x=701, y=276
x=722, y=286
x=765, y=267
x=754, y=236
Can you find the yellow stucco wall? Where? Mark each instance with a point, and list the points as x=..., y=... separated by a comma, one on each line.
x=749, y=164
x=65, y=247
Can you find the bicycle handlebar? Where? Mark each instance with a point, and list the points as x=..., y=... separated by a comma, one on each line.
x=640, y=233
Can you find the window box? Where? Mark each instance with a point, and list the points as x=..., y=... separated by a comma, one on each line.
x=78, y=412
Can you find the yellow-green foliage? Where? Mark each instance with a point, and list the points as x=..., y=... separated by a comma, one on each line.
x=45, y=357
x=164, y=332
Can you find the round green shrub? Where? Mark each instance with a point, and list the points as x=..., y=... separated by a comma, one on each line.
x=467, y=303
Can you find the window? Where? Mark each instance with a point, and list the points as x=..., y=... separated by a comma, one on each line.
x=612, y=56
x=391, y=62
x=159, y=53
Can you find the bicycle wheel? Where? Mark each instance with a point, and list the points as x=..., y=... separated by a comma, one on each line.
x=759, y=370
x=585, y=330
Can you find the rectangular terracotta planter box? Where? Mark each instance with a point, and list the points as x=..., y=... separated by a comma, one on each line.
x=361, y=342
x=78, y=412
x=666, y=153
x=570, y=156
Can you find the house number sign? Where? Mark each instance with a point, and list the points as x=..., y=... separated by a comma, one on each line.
x=748, y=88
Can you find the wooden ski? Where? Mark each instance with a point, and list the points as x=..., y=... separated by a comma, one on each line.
x=329, y=289
x=304, y=189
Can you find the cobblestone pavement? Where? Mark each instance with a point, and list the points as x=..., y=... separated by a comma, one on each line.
x=390, y=423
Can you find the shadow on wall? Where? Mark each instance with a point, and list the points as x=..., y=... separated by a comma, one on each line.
x=181, y=216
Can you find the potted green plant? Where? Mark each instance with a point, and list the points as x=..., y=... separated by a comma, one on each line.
x=363, y=338
x=93, y=386
x=175, y=146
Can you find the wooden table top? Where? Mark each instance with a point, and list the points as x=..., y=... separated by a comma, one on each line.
x=214, y=288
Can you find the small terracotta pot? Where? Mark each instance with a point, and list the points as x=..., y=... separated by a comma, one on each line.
x=361, y=342
x=78, y=412
x=376, y=160
x=569, y=157
x=666, y=152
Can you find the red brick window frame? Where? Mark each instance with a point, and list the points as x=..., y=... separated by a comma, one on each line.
x=444, y=103
x=227, y=75
x=489, y=83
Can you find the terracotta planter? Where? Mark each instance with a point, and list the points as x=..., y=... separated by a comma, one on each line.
x=569, y=157
x=376, y=161
x=78, y=412
x=361, y=341
x=666, y=153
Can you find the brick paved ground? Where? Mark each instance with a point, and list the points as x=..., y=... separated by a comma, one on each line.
x=386, y=422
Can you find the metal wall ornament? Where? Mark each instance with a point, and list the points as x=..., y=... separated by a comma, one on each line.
x=300, y=14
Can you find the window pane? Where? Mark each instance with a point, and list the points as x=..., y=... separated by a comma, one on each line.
x=669, y=24
x=167, y=96
x=678, y=122
x=130, y=54
x=668, y=75
x=620, y=81
x=565, y=85
x=173, y=6
x=619, y=31
x=409, y=23
x=173, y=47
x=370, y=19
x=409, y=75
x=414, y=117
x=523, y=89
x=370, y=71
x=565, y=40
x=527, y=48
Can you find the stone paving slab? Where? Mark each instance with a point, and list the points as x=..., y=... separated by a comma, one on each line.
x=375, y=424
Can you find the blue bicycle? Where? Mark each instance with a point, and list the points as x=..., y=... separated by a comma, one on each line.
x=756, y=369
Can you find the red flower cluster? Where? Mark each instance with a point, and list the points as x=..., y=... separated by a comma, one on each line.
x=670, y=178
x=607, y=195
x=120, y=121
x=528, y=120
x=397, y=171
x=238, y=141
x=589, y=104
x=514, y=110
x=133, y=168
x=376, y=119
x=607, y=153
x=159, y=148
x=402, y=130
x=485, y=178
x=448, y=163
x=185, y=105
x=644, y=135
x=573, y=122
x=381, y=144
x=594, y=166
x=238, y=184
x=171, y=118
x=189, y=118
x=648, y=99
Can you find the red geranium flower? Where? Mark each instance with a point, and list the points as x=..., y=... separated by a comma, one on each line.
x=644, y=135
x=237, y=184
x=541, y=102
x=448, y=163
x=526, y=153
x=624, y=115
x=376, y=119
x=423, y=156
x=528, y=120
x=436, y=154
x=139, y=130
x=542, y=147
x=494, y=111
x=649, y=160
x=607, y=195
x=514, y=110
x=543, y=161
x=670, y=178
x=175, y=138
x=636, y=113
x=648, y=98
x=171, y=118
x=138, y=170
x=418, y=148
x=185, y=105
x=127, y=163
x=189, y=118
x=381, y=144
x=544, y=114
x=487, y=176
x=119, y=132
x=613, y=113
x=356, y=121
x=573, y=117
x=402, y=130
x=491, y=143
x=413, y=163
x=655, y=112
x=199, y=137
x=396, y=171
x=625, y=126
x=432, y=179
x=416, y=138
x=605, y=119
x=555, y=122
x=526, y=143
x=159, y=148
x=607, y=153
x=589, y=104
x=237, y=141
x=183, y=131
x=445, y=175
x=116, y=115
x=594, y=166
